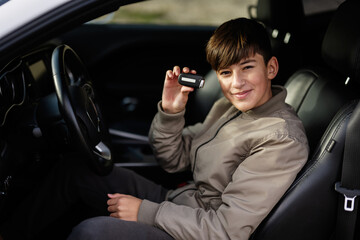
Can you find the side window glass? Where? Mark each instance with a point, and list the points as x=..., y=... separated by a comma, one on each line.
x=184, y=12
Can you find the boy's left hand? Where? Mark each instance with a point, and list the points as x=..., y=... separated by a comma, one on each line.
x=123, y=206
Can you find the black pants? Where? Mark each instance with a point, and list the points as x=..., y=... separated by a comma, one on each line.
x=71, y=193
x=109, y=228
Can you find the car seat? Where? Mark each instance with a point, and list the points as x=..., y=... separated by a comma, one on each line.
x=284, y=21
x=308, y=210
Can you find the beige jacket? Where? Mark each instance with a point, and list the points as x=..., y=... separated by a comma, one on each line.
x=242, y=164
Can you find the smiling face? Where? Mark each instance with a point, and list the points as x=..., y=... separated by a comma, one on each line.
x=240, y=53
x=247, y=84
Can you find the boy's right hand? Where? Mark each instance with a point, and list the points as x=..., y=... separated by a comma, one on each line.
x=175, y=96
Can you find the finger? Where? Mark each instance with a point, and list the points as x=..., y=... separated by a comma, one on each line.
x=186, y=89
x=112, y=201
x=115, y=215
x=176, y=70
x=186, y=70
x=113, y=208
x=169, y=74
x=193, y=71
x=114, y=195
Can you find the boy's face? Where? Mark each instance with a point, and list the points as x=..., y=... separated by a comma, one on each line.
x=247, y=84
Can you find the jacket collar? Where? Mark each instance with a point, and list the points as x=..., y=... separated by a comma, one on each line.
x=276, y=103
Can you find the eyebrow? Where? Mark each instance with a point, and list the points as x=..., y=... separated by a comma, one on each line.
x=247, y=61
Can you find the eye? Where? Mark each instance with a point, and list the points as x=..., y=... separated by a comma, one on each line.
x=248, y=67
x=225, y=72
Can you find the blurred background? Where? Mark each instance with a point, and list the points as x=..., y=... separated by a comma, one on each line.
x=199, y=12
x=189, y=12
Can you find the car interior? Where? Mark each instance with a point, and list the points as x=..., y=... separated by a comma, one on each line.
x=313, y=192
x=319, y=67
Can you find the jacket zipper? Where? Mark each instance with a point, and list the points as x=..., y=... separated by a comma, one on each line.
x=217, y=131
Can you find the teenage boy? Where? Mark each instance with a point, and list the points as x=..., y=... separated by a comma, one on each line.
x=244, y=156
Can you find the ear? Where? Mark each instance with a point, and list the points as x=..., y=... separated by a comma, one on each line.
x=272, y=68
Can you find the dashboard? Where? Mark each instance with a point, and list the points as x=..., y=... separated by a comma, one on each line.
x=25, y=84
x=25, y=80
x=12, y=89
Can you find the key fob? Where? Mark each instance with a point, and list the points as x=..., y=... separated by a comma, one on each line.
x=191, y=80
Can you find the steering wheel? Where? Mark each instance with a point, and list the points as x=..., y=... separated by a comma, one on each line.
x=78, y=106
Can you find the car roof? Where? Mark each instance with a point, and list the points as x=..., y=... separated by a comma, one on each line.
x=25, y=23
x=16, y=13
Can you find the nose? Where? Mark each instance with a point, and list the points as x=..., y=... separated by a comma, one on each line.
x=238, y=80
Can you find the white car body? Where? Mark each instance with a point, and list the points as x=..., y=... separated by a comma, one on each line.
x=26, y=11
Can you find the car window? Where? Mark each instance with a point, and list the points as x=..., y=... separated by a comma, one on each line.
x=186, y=12
x=199, y=12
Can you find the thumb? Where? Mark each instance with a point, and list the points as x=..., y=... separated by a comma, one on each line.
x=114, y=195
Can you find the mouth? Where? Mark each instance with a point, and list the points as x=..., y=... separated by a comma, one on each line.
x=241, y=95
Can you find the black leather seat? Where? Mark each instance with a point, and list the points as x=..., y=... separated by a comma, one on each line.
x=316, y=95
x=308, y=210
x=284, y=21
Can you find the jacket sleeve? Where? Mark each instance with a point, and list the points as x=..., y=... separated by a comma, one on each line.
x=170, y=143
x=257, y=185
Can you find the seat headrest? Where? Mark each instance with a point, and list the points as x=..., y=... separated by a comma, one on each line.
x=341, y=44
x=283, y=15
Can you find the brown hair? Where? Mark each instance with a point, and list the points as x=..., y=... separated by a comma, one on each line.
x=235, y=40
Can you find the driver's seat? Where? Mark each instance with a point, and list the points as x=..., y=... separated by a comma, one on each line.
x=308, y=210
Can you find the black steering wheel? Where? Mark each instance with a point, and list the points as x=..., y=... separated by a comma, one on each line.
x=78, y=106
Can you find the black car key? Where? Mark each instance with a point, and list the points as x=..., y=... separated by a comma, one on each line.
x=191, y=80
